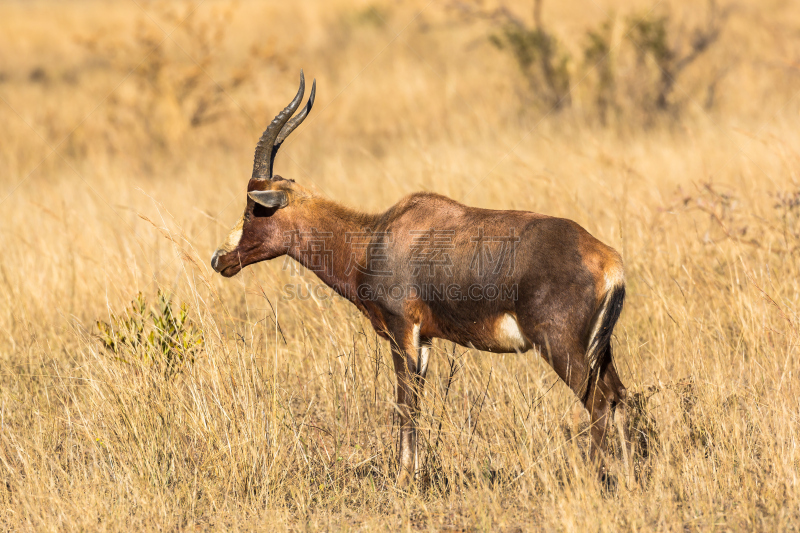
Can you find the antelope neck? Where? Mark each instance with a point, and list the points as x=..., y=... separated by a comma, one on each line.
x=330, y=240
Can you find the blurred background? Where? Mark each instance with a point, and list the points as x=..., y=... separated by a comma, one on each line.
x=669, y=129
x=527, y=105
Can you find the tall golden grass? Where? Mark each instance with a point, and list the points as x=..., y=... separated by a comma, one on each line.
x=111, y=185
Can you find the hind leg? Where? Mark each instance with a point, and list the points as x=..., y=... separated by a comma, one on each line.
x=605, y=393
x=562, y=350
x=566, y=354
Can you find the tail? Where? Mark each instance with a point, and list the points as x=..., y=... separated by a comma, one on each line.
x=602, y=326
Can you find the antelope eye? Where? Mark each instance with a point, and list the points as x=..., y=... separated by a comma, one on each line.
x=261, y=211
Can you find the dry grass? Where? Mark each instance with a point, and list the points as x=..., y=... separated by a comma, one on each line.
x=109, y=189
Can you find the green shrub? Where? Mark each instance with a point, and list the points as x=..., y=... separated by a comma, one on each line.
x=166, y=339
x=541, y=58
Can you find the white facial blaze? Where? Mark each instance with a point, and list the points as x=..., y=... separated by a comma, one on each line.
x=232, y=241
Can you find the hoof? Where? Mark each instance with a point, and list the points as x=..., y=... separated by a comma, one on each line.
x=608, y=482
x=404, y=479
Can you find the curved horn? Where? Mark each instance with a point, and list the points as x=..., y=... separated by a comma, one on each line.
x=262, y=161
x=292, y=125
x=299, y=118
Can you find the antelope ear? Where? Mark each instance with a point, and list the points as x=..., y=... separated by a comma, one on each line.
x=271, y=199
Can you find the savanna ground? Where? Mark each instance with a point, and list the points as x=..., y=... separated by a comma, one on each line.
x=128, y=132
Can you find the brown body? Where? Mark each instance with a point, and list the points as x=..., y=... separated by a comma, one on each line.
x=430, y=267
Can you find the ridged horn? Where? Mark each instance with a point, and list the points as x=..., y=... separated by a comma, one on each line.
x=292, y=125
x=262, y=161
x=298, y=118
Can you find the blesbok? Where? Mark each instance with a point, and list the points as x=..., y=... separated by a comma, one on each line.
x=430, y=267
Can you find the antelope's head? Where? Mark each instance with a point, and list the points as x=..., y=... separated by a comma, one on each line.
x=259, y=234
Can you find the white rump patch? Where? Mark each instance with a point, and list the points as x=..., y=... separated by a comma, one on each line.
x=614, y=277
